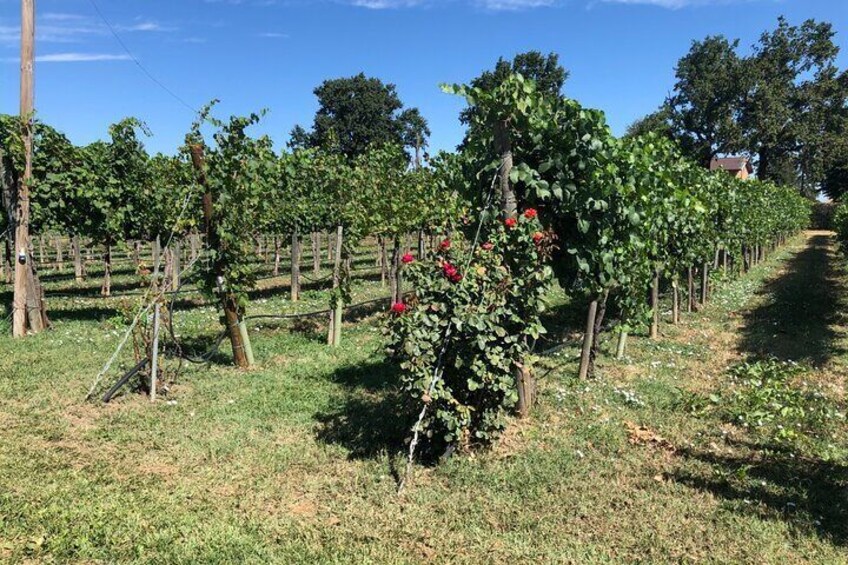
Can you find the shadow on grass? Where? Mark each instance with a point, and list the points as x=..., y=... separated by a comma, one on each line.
x=370, y=419
x=808, y=493
x=132, y=288
x=314, y=327
x=210, y=348
x=803, y=304
x=283, y=287
x=82, y=314
x=565, y=322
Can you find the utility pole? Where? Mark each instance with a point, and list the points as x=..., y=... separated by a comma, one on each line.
x=23, y=274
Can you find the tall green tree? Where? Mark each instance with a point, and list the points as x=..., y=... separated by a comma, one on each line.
x=704, y=107
x=543, y=70
x=355, y=113
x=795, y=86
x=657, y=122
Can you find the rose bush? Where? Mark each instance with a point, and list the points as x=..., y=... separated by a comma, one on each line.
x=472, y=317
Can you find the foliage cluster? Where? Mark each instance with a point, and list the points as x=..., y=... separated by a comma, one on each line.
x=470, y=325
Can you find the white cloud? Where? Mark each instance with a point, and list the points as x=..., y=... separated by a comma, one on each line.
x=385, y=4
x=514, y=5
x=273, y=35
x=492, y=5
x=56, y=27
x=673, y=4
x=145, y=26
x=72, y=58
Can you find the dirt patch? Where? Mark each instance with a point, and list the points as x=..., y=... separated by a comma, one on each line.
x=642, y=435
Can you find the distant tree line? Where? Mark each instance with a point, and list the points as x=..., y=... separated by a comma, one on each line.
x=785, y=104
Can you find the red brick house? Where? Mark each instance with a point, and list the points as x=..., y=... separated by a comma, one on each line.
x=739, y=167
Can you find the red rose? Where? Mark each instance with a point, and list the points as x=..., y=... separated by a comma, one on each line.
x=408, y=258
x=445, y=245
x=510, y=222
x=451, y=273
x=530, y=213
x=398, y=308
x=537, y=237
x=487, y=246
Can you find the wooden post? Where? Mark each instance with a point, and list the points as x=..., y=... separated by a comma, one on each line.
x=276, y=271
x=79, y=275
x=176, y=258
x=136, y=256
x=195, y=245
x=690, y=290
x=509, y=205
x=231, y=318
x=705, y=282
x=228, y=300
x=334, y=331
x=596, y=331
x=156, y=244
x=245, y=339
x=384, y=262
x=260, y=251
x=35, y=313
x=655, y=306
x=60, y=260
x=421, y=247
x=622, y=344
x=154, y=361
x=587, y=340
x=295, y=266
x=675, y=302
x=337, y=320
x=23, y=263
x=316, y=253
x=106, y=288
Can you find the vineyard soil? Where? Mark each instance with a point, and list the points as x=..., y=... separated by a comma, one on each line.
x=297, y=459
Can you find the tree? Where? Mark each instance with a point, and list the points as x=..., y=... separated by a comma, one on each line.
x=704, y=108
x=794, y=92
x=356, y=113
x=657, y=122
x=835, y=182
x=415, y=133
x=544, y=70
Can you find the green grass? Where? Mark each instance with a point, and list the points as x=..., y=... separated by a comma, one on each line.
x=296, y=461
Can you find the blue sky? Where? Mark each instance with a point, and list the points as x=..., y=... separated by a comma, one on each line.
x=255, y=54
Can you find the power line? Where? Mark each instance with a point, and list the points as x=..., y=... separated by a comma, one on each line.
x=135, y=60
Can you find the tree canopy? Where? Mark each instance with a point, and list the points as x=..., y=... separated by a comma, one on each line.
x=358, y=112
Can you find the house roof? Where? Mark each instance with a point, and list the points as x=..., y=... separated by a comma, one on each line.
x=731, y=164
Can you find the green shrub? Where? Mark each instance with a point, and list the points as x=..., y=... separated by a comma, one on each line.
x=472, y=320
